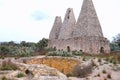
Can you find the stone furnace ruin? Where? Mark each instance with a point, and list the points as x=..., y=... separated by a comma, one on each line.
x=85, y=34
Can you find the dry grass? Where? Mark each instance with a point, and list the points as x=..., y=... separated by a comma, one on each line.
x=114, y=56
x=8, y=65
x=80, y=71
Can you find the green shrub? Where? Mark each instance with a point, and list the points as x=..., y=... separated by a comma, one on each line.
x=4, y=50
x=84, y=59
x=19, y=75
x=104, y=71
x=51, y=53
x=23, y=52
x=111, y=61
x=77, y=53
x=68, y=74
x=99, y=60
x=62, y=70
x=50, y=49
x=66, y=54
x=59, y=53
x=107, y=59
x=114, y=62
x=4, y=78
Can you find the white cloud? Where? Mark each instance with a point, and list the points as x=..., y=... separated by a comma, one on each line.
x=18, y=23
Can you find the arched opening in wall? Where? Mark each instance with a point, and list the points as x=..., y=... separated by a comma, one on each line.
x=81, y=50
x=68, y=48
x=54, y=48
x=102, y=50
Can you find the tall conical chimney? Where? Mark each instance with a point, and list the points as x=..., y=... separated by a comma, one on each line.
x=54, y=34
x=68, y=25
x=87, y=23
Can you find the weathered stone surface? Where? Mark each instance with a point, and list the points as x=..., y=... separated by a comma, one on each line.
x=9, y=74
x=97, y=71
x=68, y=25
x=41, y=72
x=91, y=45
x=56, y=28
x=64, y=65
x=32, y=72
x=87, y=23
x=85, y=35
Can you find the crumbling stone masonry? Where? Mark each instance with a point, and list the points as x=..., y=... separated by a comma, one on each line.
x=85, y=34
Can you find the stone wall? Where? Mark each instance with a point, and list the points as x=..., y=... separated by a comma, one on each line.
x=91, y=45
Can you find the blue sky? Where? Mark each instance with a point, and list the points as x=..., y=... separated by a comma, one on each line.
x=31, y=20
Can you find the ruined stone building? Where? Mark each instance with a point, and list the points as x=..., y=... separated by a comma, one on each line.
x=85, y=34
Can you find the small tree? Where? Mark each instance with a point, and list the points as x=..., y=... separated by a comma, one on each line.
x=115, y=45
x=42, y=44
x=117, y=39
x=23, y=43
x=4, y=50
x=11, y=43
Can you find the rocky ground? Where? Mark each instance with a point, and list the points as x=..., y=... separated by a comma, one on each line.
x=101, y=70
x=31, y=72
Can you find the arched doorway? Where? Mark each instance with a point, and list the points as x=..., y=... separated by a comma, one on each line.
x=102, y=50
x=68, y=48
x=54, y=48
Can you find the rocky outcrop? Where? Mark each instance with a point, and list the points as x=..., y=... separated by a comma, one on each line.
x=32, y=72
x=101, y=70
x=41, y=72
x=64, y=65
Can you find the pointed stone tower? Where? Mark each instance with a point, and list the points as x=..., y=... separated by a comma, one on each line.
x=85, y=35
x=68, y=25
x=88, y=23
x=54, y=34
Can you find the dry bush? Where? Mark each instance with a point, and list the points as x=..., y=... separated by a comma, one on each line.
x=80, y=71
x=109, y=76
x=104, y=71
x=8, y=65
x=4, y=78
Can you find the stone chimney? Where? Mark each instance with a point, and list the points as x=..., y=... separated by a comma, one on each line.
x=56, y=28
x=68, y=25
x=87, y=23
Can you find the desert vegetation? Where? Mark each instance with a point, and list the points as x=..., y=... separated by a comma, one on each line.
x=115, y=44
x=61, y=59
x=23, y=49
